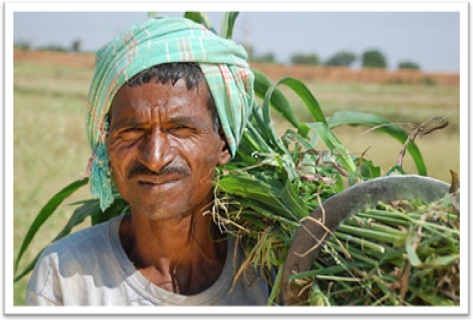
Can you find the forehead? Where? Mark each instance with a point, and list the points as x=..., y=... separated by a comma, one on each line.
x=158, y=98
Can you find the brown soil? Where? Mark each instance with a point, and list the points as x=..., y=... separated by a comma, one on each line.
x=344, y=74
x=56, y=58
x=275, y=72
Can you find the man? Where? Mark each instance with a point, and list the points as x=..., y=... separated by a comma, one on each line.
x=167, y=105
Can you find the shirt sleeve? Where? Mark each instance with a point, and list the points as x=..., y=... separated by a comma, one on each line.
x=44, y=286
x=33, y=299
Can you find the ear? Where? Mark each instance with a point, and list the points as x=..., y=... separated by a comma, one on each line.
x=224, y=154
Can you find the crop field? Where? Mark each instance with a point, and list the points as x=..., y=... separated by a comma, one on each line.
x=51, y=149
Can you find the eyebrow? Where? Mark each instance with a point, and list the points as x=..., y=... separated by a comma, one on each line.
x=186, y=120
x=125, y=122
x=133, y=122
x=191, y=122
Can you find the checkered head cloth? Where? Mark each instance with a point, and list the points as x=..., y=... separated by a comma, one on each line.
x=163, y=40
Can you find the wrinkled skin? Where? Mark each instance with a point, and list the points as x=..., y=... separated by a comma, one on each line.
x=163, y=149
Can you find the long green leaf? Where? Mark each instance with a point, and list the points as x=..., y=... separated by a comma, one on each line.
x=116, y=208
x=278, y=100
x=442, y=260
x=259, y=135
x=410, y=248
x=78, y=216
x=243, y=185
x=200, y=17
x=330, y=270
x=28, y=268
x=274, y=197
x=276, y=287
x=382, y=237
x=47, y=210
x=432, y=298
x=381, y=124
x=273, y=136
x=291, y=200
x=304, y=93
x=227, y=24
x=89, y=208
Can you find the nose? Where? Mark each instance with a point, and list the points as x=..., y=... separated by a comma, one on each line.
x=156, y=151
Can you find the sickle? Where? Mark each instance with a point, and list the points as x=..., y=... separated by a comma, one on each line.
x=339, y=207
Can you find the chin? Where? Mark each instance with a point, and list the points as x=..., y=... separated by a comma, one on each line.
x=153, y=207
x=161, y=213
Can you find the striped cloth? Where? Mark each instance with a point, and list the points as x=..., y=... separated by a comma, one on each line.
x=156, y=41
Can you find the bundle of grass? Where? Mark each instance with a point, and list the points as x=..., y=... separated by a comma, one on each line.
x=400, y=253
x=394, y=255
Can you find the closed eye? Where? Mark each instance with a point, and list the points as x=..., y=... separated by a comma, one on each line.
x=182, y=130
x=131, y=129
x=130, y=133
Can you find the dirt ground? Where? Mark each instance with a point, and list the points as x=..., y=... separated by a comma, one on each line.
x=274, y=71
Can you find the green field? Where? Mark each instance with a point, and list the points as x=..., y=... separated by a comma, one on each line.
x=51, y=150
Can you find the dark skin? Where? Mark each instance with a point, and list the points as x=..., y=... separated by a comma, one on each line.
x=163, y=152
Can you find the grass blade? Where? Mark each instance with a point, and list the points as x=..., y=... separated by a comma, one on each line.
x=278, y=100
x=47, y=210
x=273, y=297
x=227, y=25
x=304, y=93
x=28, y=268
x=272, y=134
x=291, y=200
x=78, y=216
x=200, y=17
x=410, y=244
x=259, y=132
x=381, y=124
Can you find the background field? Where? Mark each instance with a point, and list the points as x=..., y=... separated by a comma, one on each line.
x=51, y=150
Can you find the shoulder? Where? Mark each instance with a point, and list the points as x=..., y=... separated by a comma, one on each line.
x=81, y=250
x=66, y=263
x=83, y=241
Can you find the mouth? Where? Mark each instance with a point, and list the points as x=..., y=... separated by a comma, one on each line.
x=157, y=182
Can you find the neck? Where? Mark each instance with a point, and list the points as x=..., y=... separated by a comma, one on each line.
x=183, y=255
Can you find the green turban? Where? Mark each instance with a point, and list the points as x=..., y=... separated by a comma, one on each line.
x=163, y=40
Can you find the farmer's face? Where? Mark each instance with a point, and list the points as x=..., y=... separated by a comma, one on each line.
x=163, y=148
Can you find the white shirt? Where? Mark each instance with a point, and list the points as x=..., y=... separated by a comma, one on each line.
x=90, y=267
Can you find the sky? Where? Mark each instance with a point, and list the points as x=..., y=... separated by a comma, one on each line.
x=429, y=39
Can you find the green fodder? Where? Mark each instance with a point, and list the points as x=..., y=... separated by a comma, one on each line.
x=407, y=254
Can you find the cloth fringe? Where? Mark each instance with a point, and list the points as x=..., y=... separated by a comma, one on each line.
x=100, y=184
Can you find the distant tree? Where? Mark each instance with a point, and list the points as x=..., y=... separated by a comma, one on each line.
x=22, y=44
x=373, y=59
x=312, y=59
x=341, y=59
x=263, y=58
x=76, y=45
x=408, y=65
x=266, y=58
x=53, y=47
